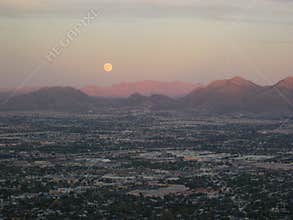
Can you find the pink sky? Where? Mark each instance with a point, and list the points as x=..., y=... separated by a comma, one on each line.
x=192, y=41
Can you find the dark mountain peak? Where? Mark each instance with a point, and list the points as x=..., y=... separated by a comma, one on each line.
x=236, y=81
x=58, y=89
x=285, y=83
x=50, y=98
x=58, y=94
x=136, y=96
x=159, y=96
x=229, y=95
x=239, y=81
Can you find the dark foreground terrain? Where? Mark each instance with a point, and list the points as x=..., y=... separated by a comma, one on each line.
x=144, y=165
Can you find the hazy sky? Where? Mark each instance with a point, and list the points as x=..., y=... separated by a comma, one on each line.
x=188, y=40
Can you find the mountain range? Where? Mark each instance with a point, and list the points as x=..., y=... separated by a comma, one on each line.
x=236, y=95
x=147, y=88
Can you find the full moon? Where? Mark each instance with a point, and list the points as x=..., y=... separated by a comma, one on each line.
x=108, y=67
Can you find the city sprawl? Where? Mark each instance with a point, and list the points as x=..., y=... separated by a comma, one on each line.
x=133, y=164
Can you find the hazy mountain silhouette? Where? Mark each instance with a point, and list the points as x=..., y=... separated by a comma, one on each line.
x=223, y=96
x=52, y=98
x=277, y=98
x=236, y=95
x=5, y=93
x=146, y=88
